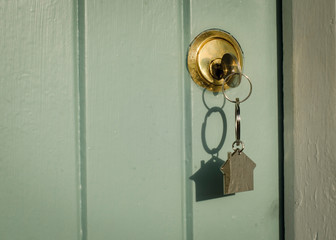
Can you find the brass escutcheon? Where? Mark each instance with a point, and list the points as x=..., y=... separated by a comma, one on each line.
x=213, y=55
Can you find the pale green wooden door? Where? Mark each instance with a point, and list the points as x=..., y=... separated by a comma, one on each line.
x=103, y=123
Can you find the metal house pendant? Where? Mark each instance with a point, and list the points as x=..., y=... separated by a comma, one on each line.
x=238, y=173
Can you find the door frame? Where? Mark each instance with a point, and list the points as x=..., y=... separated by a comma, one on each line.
x=307, y=103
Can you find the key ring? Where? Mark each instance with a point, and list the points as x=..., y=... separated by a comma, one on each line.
x=230, y=75
x=237, y=143
x=237, y=120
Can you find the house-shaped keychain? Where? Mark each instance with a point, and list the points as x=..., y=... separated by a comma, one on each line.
x=238, y=173
x=209, y=180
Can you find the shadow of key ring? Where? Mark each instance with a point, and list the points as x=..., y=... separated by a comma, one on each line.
x=228, y=77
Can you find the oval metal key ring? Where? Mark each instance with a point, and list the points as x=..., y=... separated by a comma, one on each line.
x=238, y=142
x=228, y=77
x=237, y=129
x=237, y=119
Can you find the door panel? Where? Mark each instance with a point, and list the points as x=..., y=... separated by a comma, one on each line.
x=144, y=118
x=134, y=120
x=38, y=125
x=110, y=156
x=255, y=214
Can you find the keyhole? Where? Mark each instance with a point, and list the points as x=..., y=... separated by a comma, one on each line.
x=216, y=69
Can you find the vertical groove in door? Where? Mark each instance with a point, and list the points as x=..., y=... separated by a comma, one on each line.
x=281, y=119
x=82, y=118
x=187, y=155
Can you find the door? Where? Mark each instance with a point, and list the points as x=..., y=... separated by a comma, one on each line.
x=127, y=124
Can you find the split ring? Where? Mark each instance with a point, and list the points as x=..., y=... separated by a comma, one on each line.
x=230, y=75
x=237, y=143
x=237, y=119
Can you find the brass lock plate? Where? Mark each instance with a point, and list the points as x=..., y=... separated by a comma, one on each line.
x=205, y=55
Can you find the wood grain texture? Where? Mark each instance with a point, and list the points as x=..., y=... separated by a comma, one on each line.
x=38, y=151
x=310, y=119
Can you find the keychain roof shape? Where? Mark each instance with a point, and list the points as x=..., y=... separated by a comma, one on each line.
x=238, y=173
